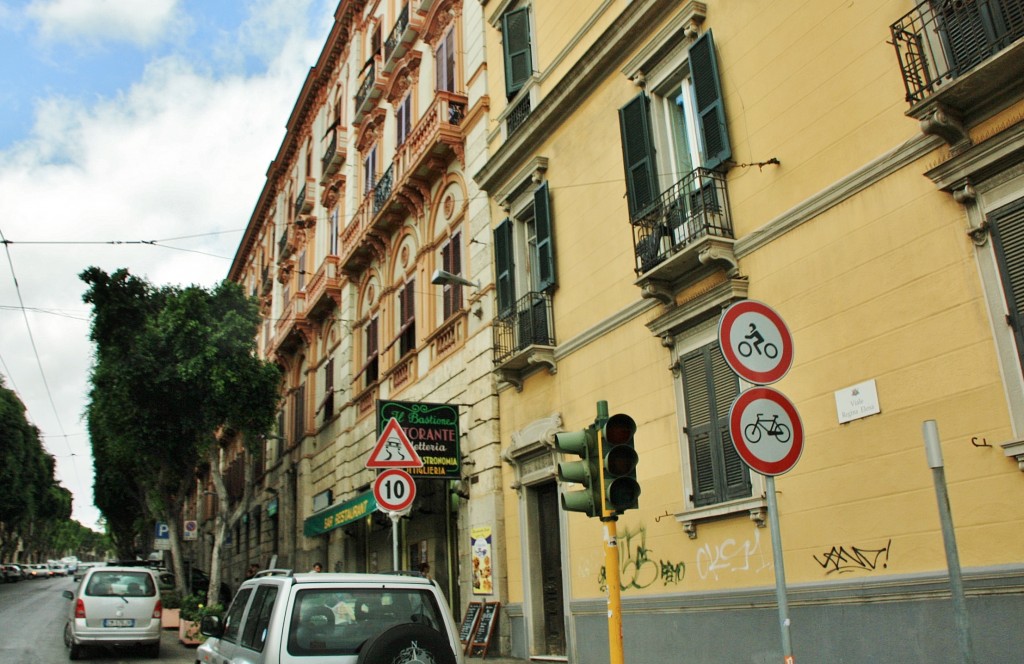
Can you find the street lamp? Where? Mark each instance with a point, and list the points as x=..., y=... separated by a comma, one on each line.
x=443, y=278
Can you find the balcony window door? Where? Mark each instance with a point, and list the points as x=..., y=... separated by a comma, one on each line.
x=335, y=232
x=517, y=49
x=451, y=261
x=370, y=370
x=406, y=334
x=444, y=62
x=370, y=170
x=525, y=266
x=403, y=118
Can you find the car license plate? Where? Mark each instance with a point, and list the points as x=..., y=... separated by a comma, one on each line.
x=124, y=622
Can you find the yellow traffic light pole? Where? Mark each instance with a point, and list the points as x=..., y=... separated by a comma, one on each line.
x=611, y=557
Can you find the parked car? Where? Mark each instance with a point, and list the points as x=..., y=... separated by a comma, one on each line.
x=38, y=571
x=80, y=570
x=114, y=606
x=11, y=572
x=280, y=617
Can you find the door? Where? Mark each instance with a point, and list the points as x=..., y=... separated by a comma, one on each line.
x=549, y=531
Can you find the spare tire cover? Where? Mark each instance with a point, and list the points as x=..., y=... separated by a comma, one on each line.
x=410, y=643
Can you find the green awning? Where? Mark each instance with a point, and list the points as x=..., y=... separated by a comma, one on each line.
x=339, y=515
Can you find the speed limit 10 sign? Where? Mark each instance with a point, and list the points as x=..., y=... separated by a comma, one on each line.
x=394, y=490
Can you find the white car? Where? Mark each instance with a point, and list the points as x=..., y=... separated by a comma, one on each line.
x=282, y=618
x=114, y=606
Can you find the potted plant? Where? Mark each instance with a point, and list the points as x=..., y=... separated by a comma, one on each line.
x=171, y=616
x=193, y=610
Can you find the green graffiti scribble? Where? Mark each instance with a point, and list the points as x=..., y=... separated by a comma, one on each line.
x=637, y=569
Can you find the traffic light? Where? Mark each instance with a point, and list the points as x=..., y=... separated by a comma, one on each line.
x=621, y=490
x=585, y=472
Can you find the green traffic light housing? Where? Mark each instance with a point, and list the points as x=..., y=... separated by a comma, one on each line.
x=621, y=488
x=584, y=472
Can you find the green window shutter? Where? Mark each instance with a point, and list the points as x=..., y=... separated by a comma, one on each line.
x=503, y=267
x=545, y=241
x=709, y=387
x=515, y=30
x=638, y=153
x=707, y=92
x=1007, y=224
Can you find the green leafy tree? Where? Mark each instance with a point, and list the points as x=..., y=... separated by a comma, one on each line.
x=176, y=372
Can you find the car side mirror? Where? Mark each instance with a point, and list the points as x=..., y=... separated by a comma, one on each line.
x=68, y=594
x=211, y=626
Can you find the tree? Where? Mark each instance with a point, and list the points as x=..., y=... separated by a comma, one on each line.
x=176, y=368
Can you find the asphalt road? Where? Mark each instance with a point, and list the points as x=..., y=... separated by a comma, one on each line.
x=32, y=617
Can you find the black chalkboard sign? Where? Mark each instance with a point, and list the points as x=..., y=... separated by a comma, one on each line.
x=469, y=622
x=484, y=629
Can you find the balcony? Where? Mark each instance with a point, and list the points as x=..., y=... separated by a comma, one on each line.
x=960, y=61
x=405, y=187
x=335, y=154
x=525, y=338
x=402, y=37
x=369, y=91
x=285, y=247
x=266, y=283
x=687, y=227
x=324, y=291
x=307, y=197
x=293, y=328
x=517, y=116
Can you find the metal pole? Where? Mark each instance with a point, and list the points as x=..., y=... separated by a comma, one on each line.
x=611, y=566
x=933, y=451
x=395, y=517
x=780, y=570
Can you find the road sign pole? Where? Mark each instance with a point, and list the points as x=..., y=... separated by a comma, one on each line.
x=780, y=569
x=395, y=518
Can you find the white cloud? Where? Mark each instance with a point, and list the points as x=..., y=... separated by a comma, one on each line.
x=178, y=153
x=141, y=23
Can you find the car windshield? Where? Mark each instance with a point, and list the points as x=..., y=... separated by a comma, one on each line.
x=331, y=622
x=128, y=584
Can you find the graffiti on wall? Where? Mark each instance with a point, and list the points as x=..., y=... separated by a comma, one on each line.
x=842, y=560
x=638, y=569
x=732, y=556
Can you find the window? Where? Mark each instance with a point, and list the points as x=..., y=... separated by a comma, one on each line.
x=445, y=62
x=406, y=336
x=525, y=269
x=678, y=127
x=370, y=170
x=516, y=44
x=233, y=618
x=451, y=261
x=328, y=403
x=254, y=636
x=371, y=354
x=299, y=413
x=335, y=231
x=709, y=387
x=524, y=251
x=1007, y=224
x=403, y=117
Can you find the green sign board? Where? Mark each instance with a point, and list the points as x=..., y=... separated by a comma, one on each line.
x=433, y=431
x=339, y=515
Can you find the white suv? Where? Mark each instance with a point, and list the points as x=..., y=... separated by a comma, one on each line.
x=282, y=618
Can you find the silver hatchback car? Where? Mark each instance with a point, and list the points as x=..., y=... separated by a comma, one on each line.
x=114, y=606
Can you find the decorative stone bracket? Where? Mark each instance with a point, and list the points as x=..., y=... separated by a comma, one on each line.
x=1015, y=449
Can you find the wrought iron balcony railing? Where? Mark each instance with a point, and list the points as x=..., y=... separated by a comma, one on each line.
x=382, y=190
x=369, y=79
x=517, y=116
x=940, y=40
x=529, y=323
x=395, y=38
x=695, y=207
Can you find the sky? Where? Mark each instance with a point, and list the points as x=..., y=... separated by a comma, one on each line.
x=133, y=134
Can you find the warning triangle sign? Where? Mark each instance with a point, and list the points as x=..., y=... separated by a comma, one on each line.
x=393, y=449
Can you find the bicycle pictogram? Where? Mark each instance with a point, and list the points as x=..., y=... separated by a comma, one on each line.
x=748, y=348
x=770, y=425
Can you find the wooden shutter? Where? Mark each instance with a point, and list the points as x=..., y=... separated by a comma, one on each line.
x=504, y=266
x=638, y=154
x=1007, y=225
x=515, y=29
x=709, y=387
x=545, y=241
x=707, y=92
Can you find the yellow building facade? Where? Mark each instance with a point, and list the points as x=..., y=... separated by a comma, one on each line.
x=859, y=167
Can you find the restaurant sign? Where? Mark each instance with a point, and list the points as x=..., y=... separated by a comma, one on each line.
x=339, y=515
x=433, y=430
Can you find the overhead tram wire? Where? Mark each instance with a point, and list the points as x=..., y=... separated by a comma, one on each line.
x=35, y=352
